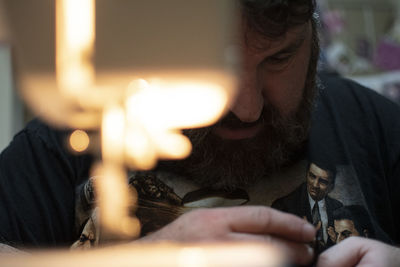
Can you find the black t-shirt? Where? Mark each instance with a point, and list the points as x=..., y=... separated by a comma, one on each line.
x=355, y=137
x=359, y=131
x=38, y=178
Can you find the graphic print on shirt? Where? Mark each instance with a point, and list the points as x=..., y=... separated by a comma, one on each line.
x=330, y=199
x=158, y=203
x=327, y=196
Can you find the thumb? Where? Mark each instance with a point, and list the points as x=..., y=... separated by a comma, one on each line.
x=349, y=251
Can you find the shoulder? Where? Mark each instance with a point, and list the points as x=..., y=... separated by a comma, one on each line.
x=40, y=141
x=333, y=203
x=349, y=96
x=37, y=134
x=359, y=115
x=36, y=140
x=38, y=130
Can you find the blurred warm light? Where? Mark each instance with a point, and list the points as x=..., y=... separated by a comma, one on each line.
x=147, y=127
x=173, y=145
x=75, y=41
x=116, y=202
x=161, y=254
x=139, y=148
x=79, y=140
x=178, y=104
x=140, y=120
x=112, y=134
x=157, y=110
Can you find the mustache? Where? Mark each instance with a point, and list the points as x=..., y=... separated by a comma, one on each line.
x=269, y=116
x=231, y=121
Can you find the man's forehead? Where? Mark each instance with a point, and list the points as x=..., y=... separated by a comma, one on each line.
x=257, y=43
x=345, y=223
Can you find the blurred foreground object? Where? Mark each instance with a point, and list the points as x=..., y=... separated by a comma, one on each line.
x=175, y=71
x=167, y=254
x=178, y=71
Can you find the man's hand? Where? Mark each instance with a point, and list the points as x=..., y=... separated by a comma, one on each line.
x=250, y=223
x=360, y=252
x=332, y=234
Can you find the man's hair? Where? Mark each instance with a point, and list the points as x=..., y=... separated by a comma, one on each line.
x=358, y=215
x=273, y=18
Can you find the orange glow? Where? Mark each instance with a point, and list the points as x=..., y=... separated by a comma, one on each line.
x=112, y=134
x=140, y=150
x=75, y=41
x=148, y=126
x=115, y=202
x=79, y=140
x=162, y=104
x=173, y=145
x=156, y=111
x=140, y=121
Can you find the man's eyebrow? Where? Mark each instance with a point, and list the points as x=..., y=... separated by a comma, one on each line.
x=293, y=46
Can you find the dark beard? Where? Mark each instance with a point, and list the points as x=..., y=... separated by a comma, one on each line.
x=230, y=164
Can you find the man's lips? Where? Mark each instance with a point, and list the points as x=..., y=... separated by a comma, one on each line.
x=238, y=133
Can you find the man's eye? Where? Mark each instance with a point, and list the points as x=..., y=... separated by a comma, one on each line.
x=323, y=182
x=280, y=59
x=346, y=233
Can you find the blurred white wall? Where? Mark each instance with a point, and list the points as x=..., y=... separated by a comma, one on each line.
x=5, y=96
x=11, y=110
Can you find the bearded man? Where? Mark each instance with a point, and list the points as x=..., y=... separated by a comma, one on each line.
x=282, y=118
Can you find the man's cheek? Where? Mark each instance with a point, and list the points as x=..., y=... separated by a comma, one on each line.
x=323, y=188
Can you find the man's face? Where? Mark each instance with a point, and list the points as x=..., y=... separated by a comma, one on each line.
x=344, y=229
x=273, y=75
x=319, y=183
x=268, y=124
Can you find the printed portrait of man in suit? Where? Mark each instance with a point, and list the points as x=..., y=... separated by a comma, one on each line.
x=350, y=221
x=312, y=202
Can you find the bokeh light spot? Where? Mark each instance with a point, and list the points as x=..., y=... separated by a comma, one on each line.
x=79, y=140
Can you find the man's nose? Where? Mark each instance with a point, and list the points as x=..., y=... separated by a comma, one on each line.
x=250, y=101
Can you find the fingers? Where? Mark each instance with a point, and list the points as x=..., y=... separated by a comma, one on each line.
x=264, y=220
x=351, y=251
x=349, y=255
x=297, y=253
x=357, y=251
x=331, y=234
